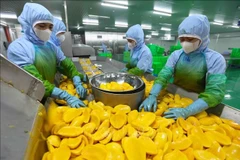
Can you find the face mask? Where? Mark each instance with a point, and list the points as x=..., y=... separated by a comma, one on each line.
x=189, y=47
x=131, y=45
x=43, y=35
x=61, y=37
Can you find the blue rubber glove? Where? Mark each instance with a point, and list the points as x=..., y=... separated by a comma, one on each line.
x=82, y=92
x=150, y=103
x=196, y=107
x=72, y=101
x=124, y=70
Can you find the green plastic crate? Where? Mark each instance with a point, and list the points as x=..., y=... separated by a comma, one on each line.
x=109, y=55
x=126, y=56
x=235, y=55
x=156, y=50
x=174, y=48
x=157, y=66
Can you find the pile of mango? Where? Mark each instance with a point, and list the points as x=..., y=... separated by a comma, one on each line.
x=115, y=86
x=68, y=86
x=101, y=132
x=88, y=67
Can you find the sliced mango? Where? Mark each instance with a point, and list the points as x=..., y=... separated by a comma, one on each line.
x=133, y=148
x=119, y=134
x=216, y=118
x=78, y=121
x=105, y=124
x=107, y=139
x=193, y=120
x=101, y=134
x=79, y=149
x=204, y=155
x=230, y=132
x=118, y=120
x=196, y=142
x=207, y=121
x=71, y=113
x=231, y=123
x=146, y=118
x=132, y=116
x=54, y=140
x=149, y=146
x=94, y=118
x=86, y=115
x=217, y=150
x=121, y=108
x=176, y=154
x=161, y=139
x=74, y=142
x=115, y=151
x=62, y=153
x=184, y=124
x=232, y=151
x=177, y=133
x=70, y=131
x=189, y=153
x=150, y=133
x=181, y=144
x=159, y=155
x=219, y=137
x=89, y=127
x=201, y=115
x=139, y=126
x=94, y=152
x=132, y=132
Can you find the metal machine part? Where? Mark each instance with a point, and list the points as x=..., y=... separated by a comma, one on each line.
x=112, y=99
x=21, y=80
x=66, y=45
x=81, y=50
x=118, y=77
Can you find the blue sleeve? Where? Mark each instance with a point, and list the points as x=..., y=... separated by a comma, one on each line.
x=173, y=59
x=145, y=62
x=21, y=54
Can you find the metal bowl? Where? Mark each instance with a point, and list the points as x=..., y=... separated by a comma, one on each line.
x=119, y=77
x=133, y=99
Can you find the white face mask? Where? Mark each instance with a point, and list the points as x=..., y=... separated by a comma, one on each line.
x=43, y=35
x=131, y=45
x=189, y=47
x=61, y=37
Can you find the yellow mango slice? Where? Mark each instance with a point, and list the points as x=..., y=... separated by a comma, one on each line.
x=101, y=134
x=132, y=132
x=62, y=153
x=71, y=113
x=146, y=118
x=89, y=127
x=217, y=150
x=105, y=124
x=231, y=123
x=133, y=148
x=121, y=108
x=50, y=147
x=186, y=101
x=119, y=134
x=78, y=121
x=86, y=115
x=103, y=115
x=149, y=146
x=94, y=152
x=150, y=133
x=79, y=149
x=181, y=144
x=177, y=133
x=54, y=140
x=95, y=106
x=209, y=128
x=204, y=155
x=89, y=137
x=207, y=121
x=230, y=132
x=201, y=115
x=47, y=156
x=161, y=139
x=115, y=151
x=85, y=139
x=53, y=117
x=132, y=116
x=139, y=126
x=118, y=120
x=189, y=153
x=193, y=120
x=107, y=139
x=216, y=118
x=169, y=134
x=219, y=137
x=64, y=142
x=70, y=131
x=74, y=142
x=94, y=118
x=196, y=142
x=184, y=124
x=232, y=151
x=164, y=122
x=159, y=156
x=157, y=123
x=176, y=154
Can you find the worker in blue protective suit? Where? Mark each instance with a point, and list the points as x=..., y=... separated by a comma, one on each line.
x=59, y=29
x=35, y=54
x=104, y=48
x=195, y=68
x=141, y=57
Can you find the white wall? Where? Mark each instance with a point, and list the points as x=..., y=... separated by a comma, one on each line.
x=3, y=39
x=222, y=42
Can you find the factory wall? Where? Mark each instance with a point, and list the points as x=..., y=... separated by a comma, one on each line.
x=3, y=39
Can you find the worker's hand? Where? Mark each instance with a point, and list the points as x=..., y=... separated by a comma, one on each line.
x=71, y=100
x=82, y=92
x=124, y=70
x=149, y=104
x=194, y=108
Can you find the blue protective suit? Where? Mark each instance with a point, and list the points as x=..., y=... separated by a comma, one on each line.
x=141, y=56
x=37, y=57
x=201, y=71
x=104, y=48
x=58, y=26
